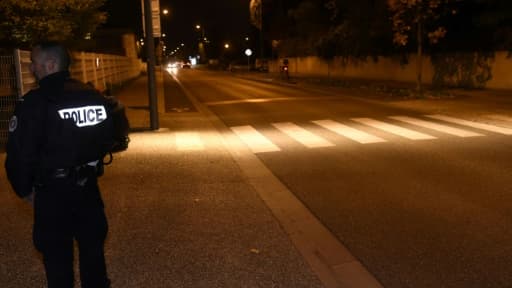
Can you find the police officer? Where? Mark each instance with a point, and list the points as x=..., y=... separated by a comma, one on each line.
x=57, y=138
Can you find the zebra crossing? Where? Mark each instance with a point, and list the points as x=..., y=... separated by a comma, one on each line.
x=439, y=123
x=324, y=133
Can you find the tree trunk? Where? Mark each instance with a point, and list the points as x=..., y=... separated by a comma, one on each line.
x=419, y=60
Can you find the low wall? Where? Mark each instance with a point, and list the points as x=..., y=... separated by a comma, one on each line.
x=501, y=72
x=390, y=69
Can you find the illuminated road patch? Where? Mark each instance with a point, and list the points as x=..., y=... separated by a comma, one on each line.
x=188, y=141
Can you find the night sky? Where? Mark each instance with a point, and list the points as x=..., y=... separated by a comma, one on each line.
x=223, y=20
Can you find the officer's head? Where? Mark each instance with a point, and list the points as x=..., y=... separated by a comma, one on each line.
x=48, y=58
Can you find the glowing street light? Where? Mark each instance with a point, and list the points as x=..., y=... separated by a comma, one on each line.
x=248, y=53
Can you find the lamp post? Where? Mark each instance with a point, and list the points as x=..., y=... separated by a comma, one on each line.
x=201, y=49
x=151, y=63
x=248, y=52
x=200, y=28
x=164, y=23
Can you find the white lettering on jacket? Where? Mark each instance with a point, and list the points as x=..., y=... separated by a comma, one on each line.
x=85, y=115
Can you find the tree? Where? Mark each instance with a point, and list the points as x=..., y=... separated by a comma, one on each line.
x=23, y=22
x=270, y=18
x=307, y=25
x=421, y=17
x=358, y=29
x=492, y=20
x=255, y=11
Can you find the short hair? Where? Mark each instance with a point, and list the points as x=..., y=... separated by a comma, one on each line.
x=56, y=50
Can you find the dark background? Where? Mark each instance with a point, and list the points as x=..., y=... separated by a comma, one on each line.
x=223, y=20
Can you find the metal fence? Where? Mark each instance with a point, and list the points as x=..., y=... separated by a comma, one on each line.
x=102, y=70
x=8, y=94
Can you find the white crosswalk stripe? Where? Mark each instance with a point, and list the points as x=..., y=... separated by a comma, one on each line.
x=188, y=141
x=436, y=126
x=393, y=129
x=349, y=132
x=482, y=126
x=302, y=135
x=501, y=117
x=254, y=139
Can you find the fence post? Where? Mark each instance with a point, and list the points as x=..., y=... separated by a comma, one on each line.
x=94, y=68
x=116, y=71
x=102, y=65
x=84, y=67
x=109, y=71
x=19, y=78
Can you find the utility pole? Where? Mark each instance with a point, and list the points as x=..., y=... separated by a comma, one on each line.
x=262, y=44
x=151, y=64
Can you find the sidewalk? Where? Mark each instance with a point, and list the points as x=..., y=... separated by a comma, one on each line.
x=177, y=218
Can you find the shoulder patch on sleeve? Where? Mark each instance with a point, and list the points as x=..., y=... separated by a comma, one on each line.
x=13, y=123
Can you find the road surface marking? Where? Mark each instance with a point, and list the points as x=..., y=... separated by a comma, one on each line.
x=188, y=141
x=500, y=117
x=269, y=99
x=254, y=139
x=482, y=126
x=349, y=132
x=302, y=135
x=436, y=126
x=397, y=130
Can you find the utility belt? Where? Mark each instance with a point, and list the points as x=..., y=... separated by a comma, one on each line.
x=80, y=173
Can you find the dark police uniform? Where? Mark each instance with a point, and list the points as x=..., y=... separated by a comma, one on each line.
x=57, y=136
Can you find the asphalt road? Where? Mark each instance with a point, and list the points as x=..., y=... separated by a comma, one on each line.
x=424, y=207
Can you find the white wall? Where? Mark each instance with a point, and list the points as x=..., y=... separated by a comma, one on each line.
x=389, y=69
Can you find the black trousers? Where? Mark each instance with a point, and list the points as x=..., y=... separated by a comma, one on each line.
x=64, y=211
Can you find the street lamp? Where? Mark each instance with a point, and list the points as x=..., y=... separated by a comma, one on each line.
x=164, y=23
x=248, y=52
x=201, y=49
x=201, y=29
x=165, y=13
